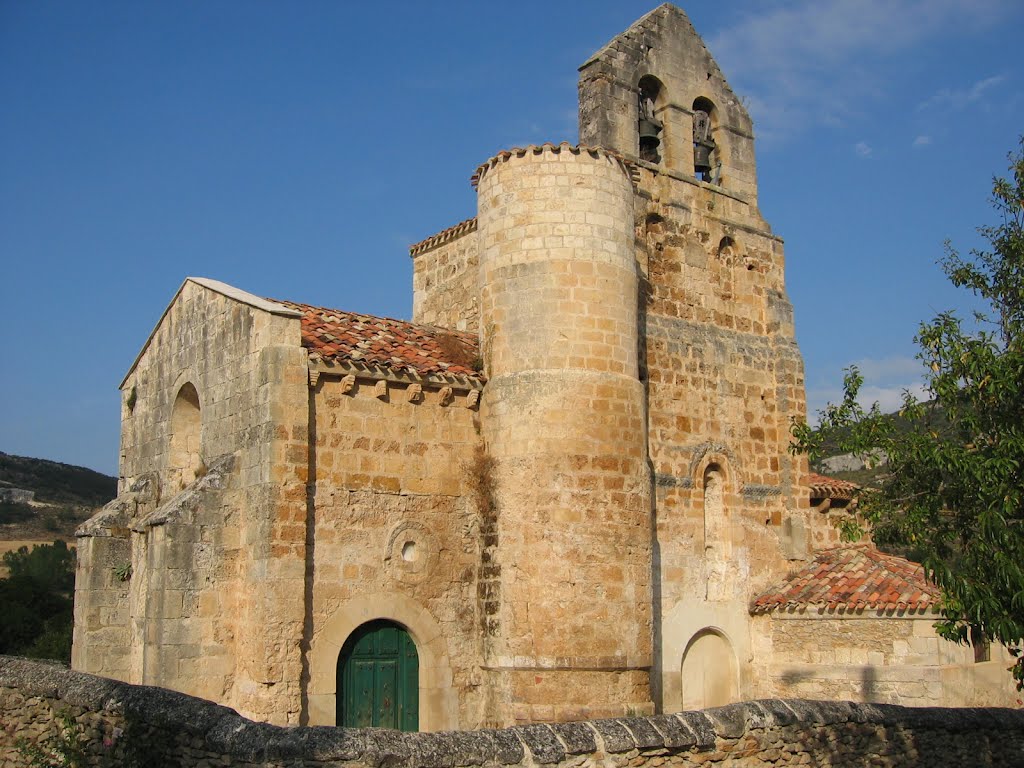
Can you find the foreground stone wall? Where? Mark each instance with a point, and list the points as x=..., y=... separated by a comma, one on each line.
x=133, y=725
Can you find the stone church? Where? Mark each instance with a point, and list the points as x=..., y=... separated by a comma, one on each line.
x=563, y=491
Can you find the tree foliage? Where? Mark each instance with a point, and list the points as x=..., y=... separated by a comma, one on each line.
x=36, y=602
x=955, y=491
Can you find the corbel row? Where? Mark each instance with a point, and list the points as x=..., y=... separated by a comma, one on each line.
x=383, y=381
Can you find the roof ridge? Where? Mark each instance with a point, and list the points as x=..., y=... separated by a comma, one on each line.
x=445, y=235
x=413, y=323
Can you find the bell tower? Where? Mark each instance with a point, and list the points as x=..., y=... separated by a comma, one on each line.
x=721, y=372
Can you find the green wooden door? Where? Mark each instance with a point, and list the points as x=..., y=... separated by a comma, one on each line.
x=378, y=679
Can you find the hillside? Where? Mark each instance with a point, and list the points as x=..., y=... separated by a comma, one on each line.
x=65, y=495
x=875, y=473
x=56, y=483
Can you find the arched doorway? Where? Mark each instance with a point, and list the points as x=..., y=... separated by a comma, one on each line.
x=709, y=674
x=378, y=678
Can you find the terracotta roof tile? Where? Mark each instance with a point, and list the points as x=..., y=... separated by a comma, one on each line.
x=853, y=578
x=825, y=487
x=424, y=350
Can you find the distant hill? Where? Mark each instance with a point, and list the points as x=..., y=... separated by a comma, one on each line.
x=876, y=472
x=56, y=483
x=65, y=496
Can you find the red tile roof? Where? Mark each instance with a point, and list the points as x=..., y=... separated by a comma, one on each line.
x=381, y=342
x=853, y=578
x=825, y=487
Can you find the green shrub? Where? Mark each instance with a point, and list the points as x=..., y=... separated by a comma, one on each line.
x=11, y=512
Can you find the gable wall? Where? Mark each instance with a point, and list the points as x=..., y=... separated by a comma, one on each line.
x=215, y=343
x=210, y=606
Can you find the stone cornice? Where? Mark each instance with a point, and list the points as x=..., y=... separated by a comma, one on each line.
x=319, y=367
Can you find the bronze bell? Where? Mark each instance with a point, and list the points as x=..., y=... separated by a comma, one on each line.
x=649, y=131
x=702, y=157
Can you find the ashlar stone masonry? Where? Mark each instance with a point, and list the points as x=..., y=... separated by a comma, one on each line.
x=556, y=495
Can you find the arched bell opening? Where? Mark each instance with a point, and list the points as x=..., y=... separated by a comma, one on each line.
x=707, y=161
x=650, y=129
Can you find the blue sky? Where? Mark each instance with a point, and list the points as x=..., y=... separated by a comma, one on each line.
x=295, y=150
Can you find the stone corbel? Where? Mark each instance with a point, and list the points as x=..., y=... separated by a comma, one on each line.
x=314, y=377
x=380, y=390
x=415, y=393
x=473, y=398
x=348, y=384
x=445, y=395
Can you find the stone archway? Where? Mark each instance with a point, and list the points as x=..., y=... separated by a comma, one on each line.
x=378, y=678
x=709, y=671
x=438, y=702
x=184, y=450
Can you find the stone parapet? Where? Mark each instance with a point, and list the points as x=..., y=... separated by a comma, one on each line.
x=117, y=722
x=553, y=149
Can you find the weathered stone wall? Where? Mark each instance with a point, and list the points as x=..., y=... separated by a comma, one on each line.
x=222, y=382
x=725, y=378
x=723, y=372
x=877, y=656
x=563, y=418
x=132, y=725
x=397, y=535
x=445, y=280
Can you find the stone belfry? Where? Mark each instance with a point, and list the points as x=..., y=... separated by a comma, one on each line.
x=655, y=95
x=721, y=371
x=642, y=373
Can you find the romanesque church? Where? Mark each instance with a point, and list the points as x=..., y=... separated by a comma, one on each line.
x=563, y=491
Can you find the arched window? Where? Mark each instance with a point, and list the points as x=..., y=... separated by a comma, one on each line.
x=185, y=461
x=726, y=249
x=707, y=162
x=649, y=127
x=715, y=530
x=719, y=569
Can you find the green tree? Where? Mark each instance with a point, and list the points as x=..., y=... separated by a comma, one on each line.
x=37, y=601
x=954, y=495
